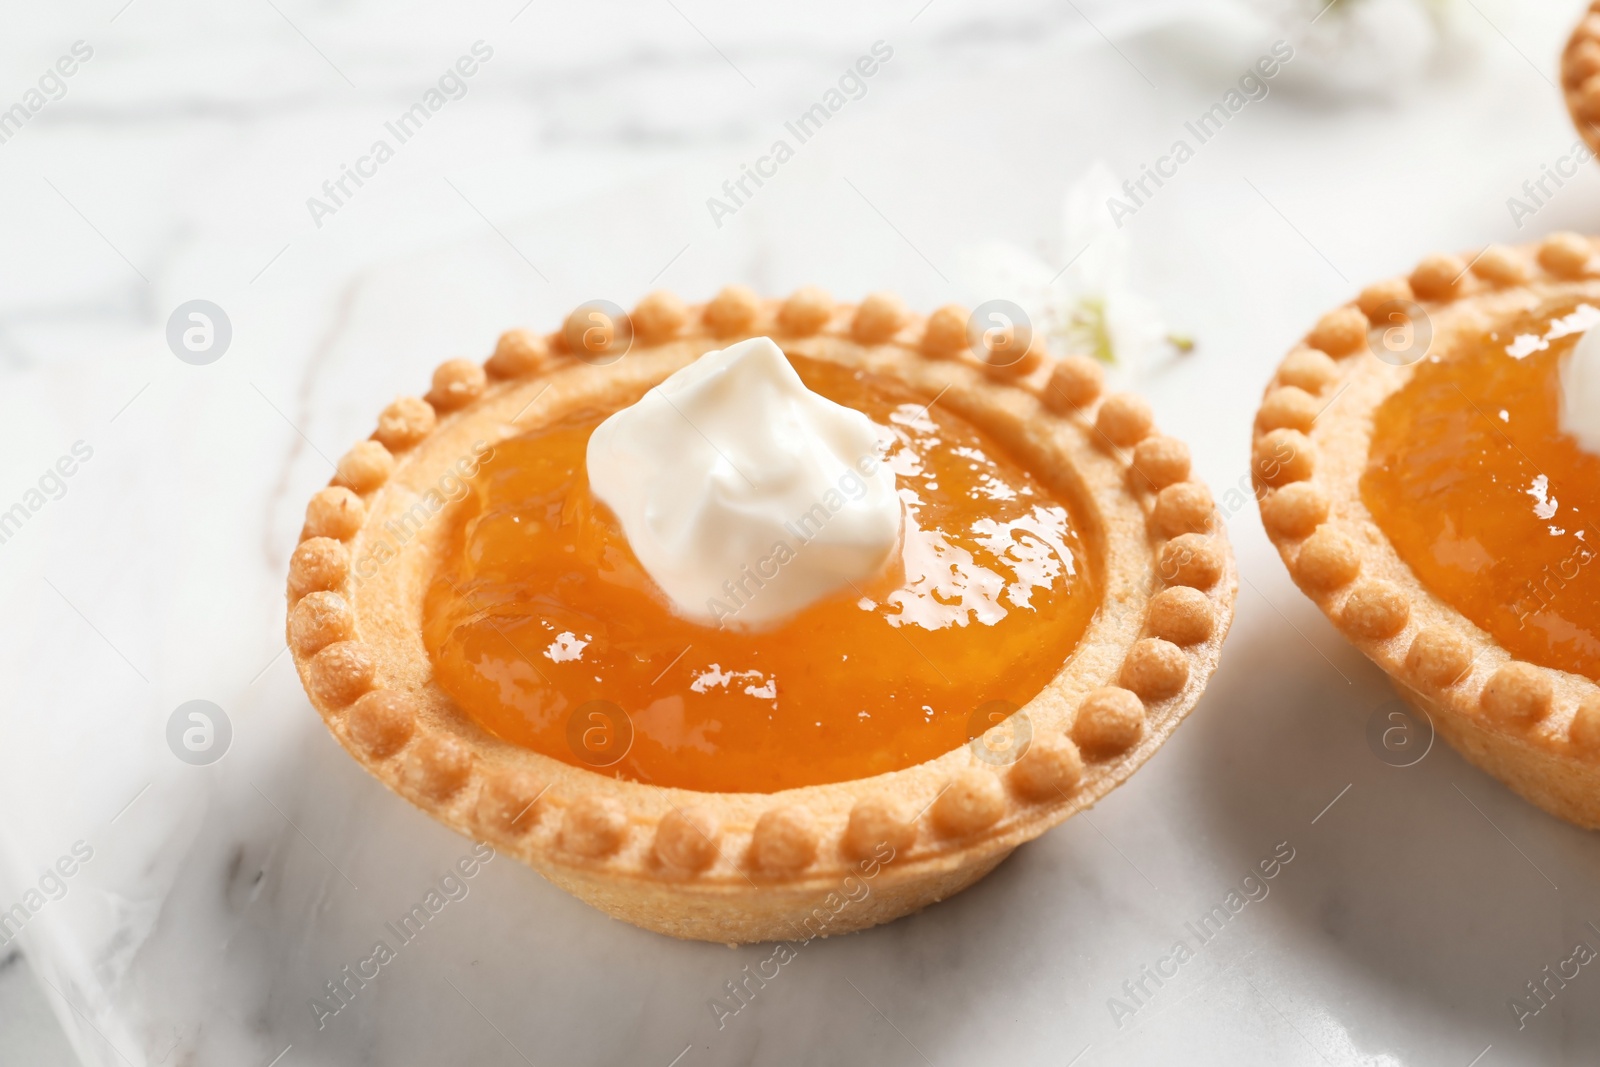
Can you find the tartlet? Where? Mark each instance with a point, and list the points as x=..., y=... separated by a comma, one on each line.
x=1326, y=452
x=751, y=866
x=1580, y=77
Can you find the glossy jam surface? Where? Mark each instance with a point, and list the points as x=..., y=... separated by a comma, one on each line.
x=1486, y=500
x=545, y=630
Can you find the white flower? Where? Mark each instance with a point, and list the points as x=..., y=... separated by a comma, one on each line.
x=1085, y=306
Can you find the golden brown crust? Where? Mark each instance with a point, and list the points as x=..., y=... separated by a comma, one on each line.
x=1580, y=77
x=1124, y=420
x=883, y=819
x=380, y=723
x=318, y=620
x=686, y=838
x=1075, y=382
x=334, y=512
x=945, y=332
x=658, y=317
x=807, y=311
x=1184, y=507
x=1524, y=723
x=1288, y=408
x=880, y=317
x=410, y=418
x=456, y=383
x=1051, y=766
x=516, y=353
x=1109, y=720
x=1161, y=461
x=365, y=467
x=745, y=867
x=1182, y=615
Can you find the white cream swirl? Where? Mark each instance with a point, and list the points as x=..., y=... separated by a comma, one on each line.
x=1580, y=392
x=744, y=495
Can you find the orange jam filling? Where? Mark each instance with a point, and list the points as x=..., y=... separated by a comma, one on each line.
x=1484, y=497
x=544, y=628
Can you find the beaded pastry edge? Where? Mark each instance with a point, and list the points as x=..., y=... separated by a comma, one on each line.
x=741, y=867
x=1580, y=77
x=1534, y=727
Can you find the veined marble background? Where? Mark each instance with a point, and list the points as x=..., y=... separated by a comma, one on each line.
x=215, y=902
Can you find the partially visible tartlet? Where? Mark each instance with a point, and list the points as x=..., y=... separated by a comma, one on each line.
x=1580, y=76
x=752, y=866
x=1372, y=460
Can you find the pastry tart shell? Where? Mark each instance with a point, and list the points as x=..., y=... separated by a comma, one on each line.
x=1535, y=728
x=1580, y=78
x=818, y=860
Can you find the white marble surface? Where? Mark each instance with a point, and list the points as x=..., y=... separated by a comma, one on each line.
x=219, y=899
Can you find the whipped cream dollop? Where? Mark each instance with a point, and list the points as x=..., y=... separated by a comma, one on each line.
x=1580, y=392
x=743, y=494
